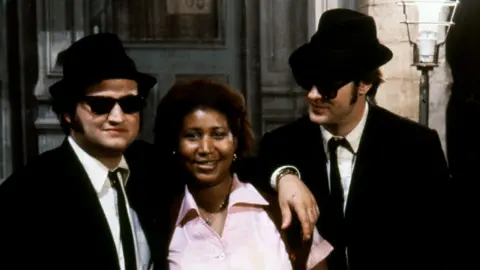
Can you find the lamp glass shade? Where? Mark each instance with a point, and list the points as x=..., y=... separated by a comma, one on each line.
x=430, y=16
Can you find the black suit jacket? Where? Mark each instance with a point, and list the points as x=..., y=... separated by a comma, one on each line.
x=50, y=215
x=463, y=149
x=396, y=208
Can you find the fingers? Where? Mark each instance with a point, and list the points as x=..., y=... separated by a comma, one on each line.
x=315, y=210
x=312, y=215
x=286, y=215
x=307, y=225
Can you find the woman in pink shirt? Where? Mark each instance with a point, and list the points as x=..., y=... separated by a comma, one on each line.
x=220, y=222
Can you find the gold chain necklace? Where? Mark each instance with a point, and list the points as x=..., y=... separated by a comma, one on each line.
x=209, y=220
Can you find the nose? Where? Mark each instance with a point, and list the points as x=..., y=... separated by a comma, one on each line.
x=116, y=115
x=206, y=146
x=313, y=94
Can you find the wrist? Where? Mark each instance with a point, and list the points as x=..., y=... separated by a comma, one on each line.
x=286, y=171
x=274, y=177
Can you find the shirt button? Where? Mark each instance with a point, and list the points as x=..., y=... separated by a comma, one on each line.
x=222, y=256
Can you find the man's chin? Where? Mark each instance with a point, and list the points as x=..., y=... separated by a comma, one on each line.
x=319, y=118
x=115, y=146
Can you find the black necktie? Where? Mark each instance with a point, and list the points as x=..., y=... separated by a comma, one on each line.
x=336, y=187
x=336, y=203
x=126, y=235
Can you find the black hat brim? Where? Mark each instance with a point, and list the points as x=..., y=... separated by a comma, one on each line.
x=327, y=64
x=145, y=83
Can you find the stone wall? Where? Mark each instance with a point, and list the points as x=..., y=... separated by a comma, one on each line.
x=400, y=93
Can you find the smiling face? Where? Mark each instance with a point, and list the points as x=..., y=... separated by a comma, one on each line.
x=108, y=118
x=207, y=146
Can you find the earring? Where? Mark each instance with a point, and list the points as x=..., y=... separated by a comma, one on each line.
x=234, y=157
x=173, y=153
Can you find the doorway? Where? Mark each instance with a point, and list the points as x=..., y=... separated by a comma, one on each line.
x=169, y=39
x=175, y=40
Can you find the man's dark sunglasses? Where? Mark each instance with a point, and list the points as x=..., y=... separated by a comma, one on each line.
x=328, y=90
x=103, y=105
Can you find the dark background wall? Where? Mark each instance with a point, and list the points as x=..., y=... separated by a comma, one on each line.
x=463, y=134
x=463, y=112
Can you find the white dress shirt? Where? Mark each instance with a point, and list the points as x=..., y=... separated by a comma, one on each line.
x=107, y=196
x=345, y=158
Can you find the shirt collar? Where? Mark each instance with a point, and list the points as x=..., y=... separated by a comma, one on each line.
x=96, y=171
x=353, y=137
x=241, y=193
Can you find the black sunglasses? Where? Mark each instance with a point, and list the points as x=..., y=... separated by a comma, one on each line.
x=103, y=105
x=328, y=90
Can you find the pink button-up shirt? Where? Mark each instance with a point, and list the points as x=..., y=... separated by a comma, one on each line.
x=250, y=239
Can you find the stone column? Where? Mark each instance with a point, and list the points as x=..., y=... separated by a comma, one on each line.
x=400, y=93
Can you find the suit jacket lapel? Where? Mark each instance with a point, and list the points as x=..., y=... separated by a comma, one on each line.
x=84, y=203
x=145, y=194
x=317, y=159
x=365, y=158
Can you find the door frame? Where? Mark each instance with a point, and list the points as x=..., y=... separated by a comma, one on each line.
x=5, y=153
x=22, y=50
x=250, y=66
x=19, y=35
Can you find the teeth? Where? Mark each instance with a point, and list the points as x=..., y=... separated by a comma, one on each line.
x=207, y=163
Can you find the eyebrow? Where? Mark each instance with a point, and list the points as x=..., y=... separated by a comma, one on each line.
x=103, y=95
x=199, y=128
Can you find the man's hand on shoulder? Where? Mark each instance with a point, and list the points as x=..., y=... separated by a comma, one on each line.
x=293, y=193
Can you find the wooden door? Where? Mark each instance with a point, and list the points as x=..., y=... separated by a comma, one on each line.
x=176, y=39
x=5, y=155
x=169, y=39
x=243, y=42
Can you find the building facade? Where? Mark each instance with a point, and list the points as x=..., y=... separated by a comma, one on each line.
x=243, y=42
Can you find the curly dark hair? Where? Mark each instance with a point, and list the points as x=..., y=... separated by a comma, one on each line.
x=187, y=96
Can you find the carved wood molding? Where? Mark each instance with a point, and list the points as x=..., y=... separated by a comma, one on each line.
x=59, y=24
x=58, y=21
x=283, y=28
x=178, y=24
x=49, y=140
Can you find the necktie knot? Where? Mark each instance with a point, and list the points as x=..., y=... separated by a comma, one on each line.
x=335, y=142
x=114, y=177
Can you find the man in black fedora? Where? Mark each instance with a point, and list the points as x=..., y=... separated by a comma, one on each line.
x=379, y=179
x=96, y=201
x=80, y=206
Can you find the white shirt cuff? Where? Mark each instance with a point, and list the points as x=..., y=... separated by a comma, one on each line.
x=273, y=179
x=321, y=248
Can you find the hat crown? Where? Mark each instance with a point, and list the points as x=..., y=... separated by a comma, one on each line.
x=94, y=55
x=345, y=47
x=95, y=58
x=344, y=29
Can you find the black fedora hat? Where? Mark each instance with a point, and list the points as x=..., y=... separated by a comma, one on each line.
x=344, y=47
x=95, y=58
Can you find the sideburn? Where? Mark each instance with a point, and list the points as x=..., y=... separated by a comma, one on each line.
x=75, y=124
x=354, y=97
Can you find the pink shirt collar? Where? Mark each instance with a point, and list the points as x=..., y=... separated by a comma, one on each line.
x=242, y=193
